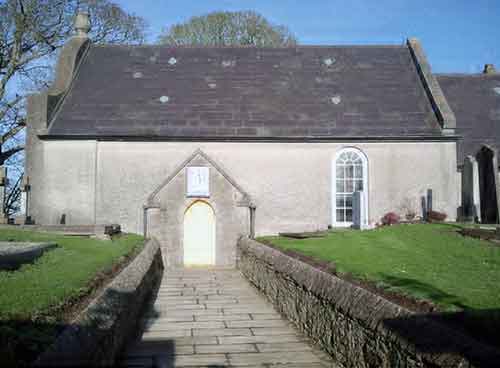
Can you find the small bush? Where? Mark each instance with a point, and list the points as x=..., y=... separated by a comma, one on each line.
x=436, y=216
x=390, y=218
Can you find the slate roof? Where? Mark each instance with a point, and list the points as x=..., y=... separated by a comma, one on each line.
x=477, y=109
x=238, y=92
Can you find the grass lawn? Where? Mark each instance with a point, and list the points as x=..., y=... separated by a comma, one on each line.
x=427, y=261
x=34, y=297
x=59, y=274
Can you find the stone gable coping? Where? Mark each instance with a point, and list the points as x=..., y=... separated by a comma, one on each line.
x=152, y=201
x=445, y=115
x=353, y=325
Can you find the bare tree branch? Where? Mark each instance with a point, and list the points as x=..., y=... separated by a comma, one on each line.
x=31, y=33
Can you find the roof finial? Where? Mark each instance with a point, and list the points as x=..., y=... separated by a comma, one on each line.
x=82, y=24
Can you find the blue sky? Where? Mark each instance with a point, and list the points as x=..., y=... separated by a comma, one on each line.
x=457, y=35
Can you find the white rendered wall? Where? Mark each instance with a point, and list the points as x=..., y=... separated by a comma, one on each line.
x=290, y=183
x=68, y=182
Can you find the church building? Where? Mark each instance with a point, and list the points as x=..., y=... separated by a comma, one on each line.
x=198, y=146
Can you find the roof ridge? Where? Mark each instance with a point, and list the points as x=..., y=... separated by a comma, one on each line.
x=248, y=46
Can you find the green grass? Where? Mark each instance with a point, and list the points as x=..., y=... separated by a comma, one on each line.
x=58, y=275
x=427, y=261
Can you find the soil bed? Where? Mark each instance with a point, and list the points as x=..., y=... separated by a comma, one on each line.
x=493, y=236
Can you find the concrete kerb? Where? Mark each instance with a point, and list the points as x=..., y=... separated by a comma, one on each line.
x=101, y=331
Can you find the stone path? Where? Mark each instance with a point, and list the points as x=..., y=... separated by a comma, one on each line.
x=215, y=318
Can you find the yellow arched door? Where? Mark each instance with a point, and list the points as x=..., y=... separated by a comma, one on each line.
x=199, y=235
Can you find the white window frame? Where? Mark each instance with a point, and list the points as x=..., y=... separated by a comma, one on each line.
x=366, y=190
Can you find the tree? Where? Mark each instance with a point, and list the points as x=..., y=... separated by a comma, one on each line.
x=31, y=32
x=228, y=29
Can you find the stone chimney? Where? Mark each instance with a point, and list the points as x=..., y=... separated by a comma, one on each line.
x=82, y=25
x=489, y=69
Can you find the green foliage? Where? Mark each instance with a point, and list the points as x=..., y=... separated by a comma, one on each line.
x=60, y=274
x=228, y=29
x=431, y=262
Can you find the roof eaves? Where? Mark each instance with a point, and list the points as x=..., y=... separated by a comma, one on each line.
x=291, y=139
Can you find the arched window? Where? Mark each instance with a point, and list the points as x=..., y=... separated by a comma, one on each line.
x=350, y=175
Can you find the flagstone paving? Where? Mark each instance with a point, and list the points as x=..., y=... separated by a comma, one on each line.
x=215, y=318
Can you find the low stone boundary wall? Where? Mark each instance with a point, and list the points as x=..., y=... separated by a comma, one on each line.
x=356, y=327
x=100, y=332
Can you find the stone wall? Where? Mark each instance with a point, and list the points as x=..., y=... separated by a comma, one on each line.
x=356, y=327
x=101, y=331
x=63, y=182
x=40, y=108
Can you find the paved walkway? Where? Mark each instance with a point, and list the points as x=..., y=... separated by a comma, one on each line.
x=215, y=318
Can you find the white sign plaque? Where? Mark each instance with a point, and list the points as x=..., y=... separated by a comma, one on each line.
x=198, y=181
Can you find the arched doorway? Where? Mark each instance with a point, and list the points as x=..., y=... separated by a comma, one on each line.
x=486, y=161
x=199, y=235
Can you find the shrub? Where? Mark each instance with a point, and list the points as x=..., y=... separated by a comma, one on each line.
x=390, y=218
x=436, y=216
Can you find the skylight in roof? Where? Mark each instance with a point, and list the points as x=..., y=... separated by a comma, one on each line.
x=496, y=90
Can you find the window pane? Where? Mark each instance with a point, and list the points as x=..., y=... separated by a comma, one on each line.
x=349, y=172
x=348, y=201
x=340, y=172
x=358, y=172
x=340, y=201
x=349, y=178
x=340, y=186
x=349, y=186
